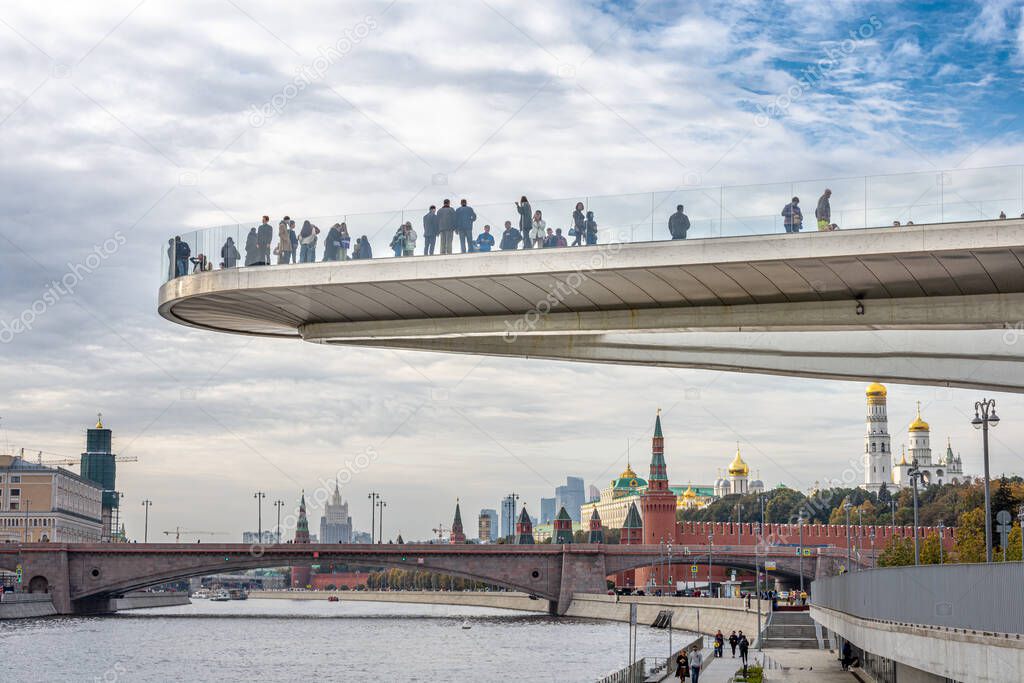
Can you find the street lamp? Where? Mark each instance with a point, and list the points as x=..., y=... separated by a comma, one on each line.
x=915, y=475
x=711, y=550
x=758, y=566
x=259, y=496
x=279, y=504
x=373, y=496
x=985, y=416
x=848, y=506
x=1020, y=518
x=800, y=524
x=380, y=518
x=145, y=529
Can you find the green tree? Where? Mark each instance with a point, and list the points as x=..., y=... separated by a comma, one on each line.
x=899, y=553
x=930, y=549
x=969, y=537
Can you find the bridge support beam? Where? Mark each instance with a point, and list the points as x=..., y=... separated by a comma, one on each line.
x=583, y=571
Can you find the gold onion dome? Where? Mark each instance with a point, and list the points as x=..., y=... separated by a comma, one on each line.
x=737, y=467
x=689, y=493
x=628, y=473
x=876, y=390
x=919, y=425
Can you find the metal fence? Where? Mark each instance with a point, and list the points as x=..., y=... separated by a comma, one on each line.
x=634, y=673
x=973, y=597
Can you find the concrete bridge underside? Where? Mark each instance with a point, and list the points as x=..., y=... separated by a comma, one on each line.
x=929, y=304
x=84, y=578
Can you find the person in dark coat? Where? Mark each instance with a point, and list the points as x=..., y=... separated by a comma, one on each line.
x=252, y=249
x=464, y=218
x=682, y=666
x=525, y=220
x=823, y=212
x=446, y=226
x=678, y=224
x=511, y=238
x=362, y=250
x=793, y=218
x=719, y=643
x=264, y=239
x=744, y=648
x=182, y=252
x=172, y=261
x=332, y=245
x=734, y=640
x=229, y=254
x=293, y=238
x=429, y=231
x=579, y=225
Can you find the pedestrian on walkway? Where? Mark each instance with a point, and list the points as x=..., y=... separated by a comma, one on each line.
x=538, y=230
x=307, y=242
x=446, y=226
x=744, y=650
x=264, y=238
x=734, y=640
x=682, y=666
x=485, y=240
x=678, y=224
x=719, y=643
x=591, y=229
x=294, y=239
x=252, y=250
x=793, y=218
x=525, y=221
x=803, y=597
x=284, y=242
x=823, y=212
x=229, y=254
x=409, y=243
x=464, y=217
x=579, y=225
x=696, y=663
x=430, y=231
x=510, y=239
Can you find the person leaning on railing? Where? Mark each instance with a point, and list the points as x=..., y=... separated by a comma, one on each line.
x=823, y=212
x=678, y=224
x=793, y=218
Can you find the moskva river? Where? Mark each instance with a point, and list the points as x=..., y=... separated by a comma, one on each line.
x=313, y=640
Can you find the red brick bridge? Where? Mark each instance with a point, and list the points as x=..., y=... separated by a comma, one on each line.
x=84, y=577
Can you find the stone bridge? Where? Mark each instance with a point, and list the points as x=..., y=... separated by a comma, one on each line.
x=84, y=578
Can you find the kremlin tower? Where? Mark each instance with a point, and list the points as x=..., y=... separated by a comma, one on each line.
x=596, y=533
x=877, y=449
x=457, y=535
x=524, y=529
x=562, y=528
x=633, y=528
x=300, y=575
x=658, y=502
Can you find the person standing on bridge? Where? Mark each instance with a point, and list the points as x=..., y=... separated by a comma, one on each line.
x=485, y=240
x=446, y=226
x=678, y=224
x=719, y=643
x=579, y=225
x=464, y=218
x=538, y=229
x=429, y=231
x=733, y=642
x=284, y=241
x=591, y=226
x=307, y=242
x=696, y=663
x=793, y=218
x=823, y=212
x=510, y=239
x=525, y=221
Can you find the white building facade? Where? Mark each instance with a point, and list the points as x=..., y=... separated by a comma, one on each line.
x=877, y=444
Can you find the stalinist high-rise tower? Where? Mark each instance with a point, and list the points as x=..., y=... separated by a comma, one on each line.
x=877, y=450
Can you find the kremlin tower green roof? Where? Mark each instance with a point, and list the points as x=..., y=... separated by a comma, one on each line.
x=563, y=515
x=633, y=520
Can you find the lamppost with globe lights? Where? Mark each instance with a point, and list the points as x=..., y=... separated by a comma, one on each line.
x=145, y=529
x=259, y=496
x=915, y=474
x=984, y=417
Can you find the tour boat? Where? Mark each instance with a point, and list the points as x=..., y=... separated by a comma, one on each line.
x=201, y=594
x=220, y=596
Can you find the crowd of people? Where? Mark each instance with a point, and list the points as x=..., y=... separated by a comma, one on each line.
x=264, y=245
x=690, y=664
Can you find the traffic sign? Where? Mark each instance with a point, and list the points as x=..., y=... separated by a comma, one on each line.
x=694, y=568
x=769, y=565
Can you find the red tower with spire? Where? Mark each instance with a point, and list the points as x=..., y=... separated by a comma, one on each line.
x=524, y=529
x=458, y=535
x=301, y=574
x=657, y=504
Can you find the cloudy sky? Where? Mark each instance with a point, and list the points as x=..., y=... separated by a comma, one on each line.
x=123, y=123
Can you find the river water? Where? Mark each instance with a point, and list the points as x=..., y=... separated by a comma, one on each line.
x=299, y=640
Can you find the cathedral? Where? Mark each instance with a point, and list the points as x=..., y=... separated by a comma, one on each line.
x=879, y=462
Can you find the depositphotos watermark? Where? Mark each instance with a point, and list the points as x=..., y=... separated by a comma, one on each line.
x=74, y=274
x=308, y=74
x=813, y=75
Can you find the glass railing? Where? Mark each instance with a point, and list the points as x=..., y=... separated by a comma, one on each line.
x=856, y=203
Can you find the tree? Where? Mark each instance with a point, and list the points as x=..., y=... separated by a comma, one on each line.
x=1013, y=545
x=969, y=537
x=899, y=553
x=930, y=549
x=883, y=495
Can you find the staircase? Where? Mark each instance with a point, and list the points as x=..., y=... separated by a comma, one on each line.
x=792, y=630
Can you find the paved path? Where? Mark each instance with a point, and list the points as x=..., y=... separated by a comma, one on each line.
x=806, y=666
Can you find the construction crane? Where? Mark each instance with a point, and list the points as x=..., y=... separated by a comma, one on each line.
x=178, y=531
x=74, y=461
x=440, y=531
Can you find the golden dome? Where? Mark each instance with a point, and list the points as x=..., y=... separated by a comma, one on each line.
x=876, y=390
x=689, y=493
x=628, y=473
x=738, y=468
x=919, y=425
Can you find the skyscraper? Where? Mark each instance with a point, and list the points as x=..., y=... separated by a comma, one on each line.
x=508, y=517
x=547, y=510
x=571, y=497
x=98, y=466
x=335, y=524
x=487, y=525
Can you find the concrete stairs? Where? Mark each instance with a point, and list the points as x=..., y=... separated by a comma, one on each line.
x=792, y=630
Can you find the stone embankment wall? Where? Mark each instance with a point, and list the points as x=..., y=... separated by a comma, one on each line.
x=26, y=606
